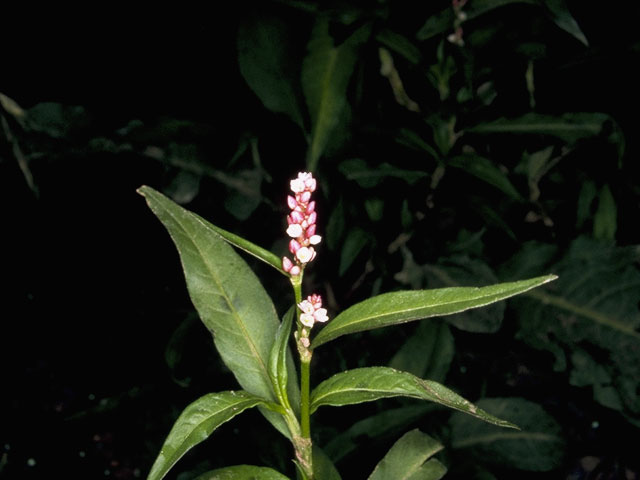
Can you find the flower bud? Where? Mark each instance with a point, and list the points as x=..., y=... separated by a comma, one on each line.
x=294, y=246
x=287, y=264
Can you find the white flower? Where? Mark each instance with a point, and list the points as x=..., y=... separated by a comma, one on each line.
x=305, y=254
x=297, y=185
x=294, y=230
x=315, y=239
x=307, y=319
x=320, y=315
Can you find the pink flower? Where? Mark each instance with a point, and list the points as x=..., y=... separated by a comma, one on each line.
x=312, y=311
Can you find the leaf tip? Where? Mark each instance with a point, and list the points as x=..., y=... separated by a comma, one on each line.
x=142, y=190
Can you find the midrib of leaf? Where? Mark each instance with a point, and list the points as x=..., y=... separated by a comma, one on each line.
x=585, y=312
x=506, y=435
x=223, y=293
x=326, y=83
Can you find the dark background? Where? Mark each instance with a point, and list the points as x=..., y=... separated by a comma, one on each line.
x=93, y=288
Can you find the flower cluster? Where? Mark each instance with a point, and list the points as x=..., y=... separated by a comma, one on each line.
x=312, y=311
x=302, y=224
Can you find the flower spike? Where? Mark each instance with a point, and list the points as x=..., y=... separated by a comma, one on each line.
x=301, y=224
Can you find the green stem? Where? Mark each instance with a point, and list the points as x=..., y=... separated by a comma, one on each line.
x=303, y=443
x=304, y=398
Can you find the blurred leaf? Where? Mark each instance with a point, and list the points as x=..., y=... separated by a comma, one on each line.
x=595, y=303
x=228, y=296
x=560, y=14
x=196, y=423
x=485, y=170
x=242, y=472
x=400, y=44
x=326, y=71
x=427, y=353
x=539, y=446
x=569, y=127
x=555, y=9
x=410, y=459
x=55, y=119
x=356, y=240
x=605, y=220
x=367, y=177
x=443, y=21
x=377, y=426
x=237, y=202
x=176, y=347
x=390, y=72
x=588, y=193
x=335, y=226
x=323, y=467
x=373, y=383
x=375, y=208
x=411, y=139
x=587, y=372
x=404, y=306
x=264, y=57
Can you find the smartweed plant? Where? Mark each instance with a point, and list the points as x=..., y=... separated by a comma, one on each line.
x=254, y=344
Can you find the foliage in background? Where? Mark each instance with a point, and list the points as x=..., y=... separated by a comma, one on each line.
x=446, y=159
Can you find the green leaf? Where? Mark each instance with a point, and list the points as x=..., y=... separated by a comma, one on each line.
x=242, y=472
x=400, y=44
x=485, y=170
x=196, y=423
x=594, y=306
x=228, y=296
x=408, y=459
x=373, y=383
x=605, y=220
x=356, y=240
x=559, y=13
x=400, y=307
x=264, y=57
x=326, y=71
x=323, y=467
x=556, y=9
x=539, y=446
x=367, y=177
x=375, y=428
x=569, y=127
x=279, y=358
x=428, y=353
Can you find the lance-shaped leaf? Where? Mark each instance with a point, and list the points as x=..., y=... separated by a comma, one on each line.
x=227, y=295
x=326, y=71
x=196, y=423
x=265, y=59
x=278, y=360
x=400, y=307
x=372, y=383
x=408, y=459
x=242, y=472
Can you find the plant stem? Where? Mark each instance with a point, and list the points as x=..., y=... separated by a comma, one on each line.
x=304, y=398
x=303, y=444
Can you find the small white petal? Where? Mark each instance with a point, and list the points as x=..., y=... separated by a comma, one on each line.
x=294, y=230
x=305, y=254
x=320, y=315
x=297, y=185
x=315, y=239
x=307, y=319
